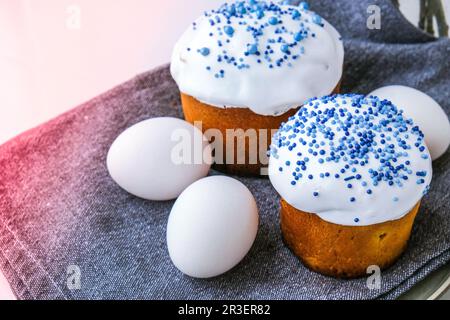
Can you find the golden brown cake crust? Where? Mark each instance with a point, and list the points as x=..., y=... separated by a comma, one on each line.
x=234, y=118
x=344, y=251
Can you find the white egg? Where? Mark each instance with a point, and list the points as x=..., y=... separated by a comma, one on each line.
x=158, y=158
x=426, y=113
x=212, y=226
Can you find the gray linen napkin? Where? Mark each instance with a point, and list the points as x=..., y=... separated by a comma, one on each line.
x=60, y=212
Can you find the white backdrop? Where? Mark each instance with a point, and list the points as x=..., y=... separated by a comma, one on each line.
x=50, y=61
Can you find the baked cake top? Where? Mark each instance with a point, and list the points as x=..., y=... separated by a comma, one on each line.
x=351, y=159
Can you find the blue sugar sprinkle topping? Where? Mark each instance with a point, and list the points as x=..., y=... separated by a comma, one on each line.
x=265, y=34
x=317, y=20
x=252, y=49
x=315, y=194
x=229, y=30
x=204, y=51
x=356, y=220
x=304, y=5
x=285, y=48
x=362, y=123
x=296, y=14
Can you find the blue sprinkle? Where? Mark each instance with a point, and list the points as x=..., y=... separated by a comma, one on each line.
x=352, y=199
x=421, y=173
x=285, y=48
x=316, y=194
x=304, y=5
x=296, y=14
x=252, y=49
x=356, y=220
x=369, y=191
x=204, y=51
x=317, y=20
x=349, y=178
x=229, y=30
x=260, y=14
x=395, y=199
x=293, y=183
x=273, y=20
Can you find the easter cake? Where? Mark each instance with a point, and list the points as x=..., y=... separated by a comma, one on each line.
x=351, y=171
x=249, y=65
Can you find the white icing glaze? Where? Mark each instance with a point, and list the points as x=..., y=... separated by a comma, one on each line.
x=265, y=90
x=332, y=201
x=426, y=113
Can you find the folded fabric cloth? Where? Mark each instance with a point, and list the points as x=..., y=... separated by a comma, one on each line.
x=61, y=215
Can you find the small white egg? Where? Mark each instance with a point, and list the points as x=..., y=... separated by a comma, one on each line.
x=158, y=158
x=425, y=112
x=212, y=226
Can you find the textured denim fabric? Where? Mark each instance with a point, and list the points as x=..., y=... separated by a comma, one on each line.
x=59, y=207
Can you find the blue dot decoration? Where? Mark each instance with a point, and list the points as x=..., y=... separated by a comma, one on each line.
x=317, y=20
x=273, y=20
x=252, y=48
x=304, y=5
x=229, y=30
